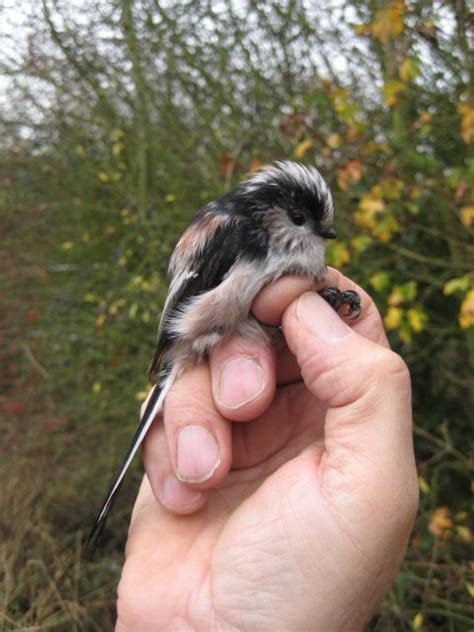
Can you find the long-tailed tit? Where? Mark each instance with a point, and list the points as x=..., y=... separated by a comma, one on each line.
x=273, y=224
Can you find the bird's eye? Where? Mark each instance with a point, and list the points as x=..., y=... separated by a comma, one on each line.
x=298, y=218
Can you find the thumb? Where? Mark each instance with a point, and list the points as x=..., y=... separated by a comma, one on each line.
x=366, y=387
x=339, y=366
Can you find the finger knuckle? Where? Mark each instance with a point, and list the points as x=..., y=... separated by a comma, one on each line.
x=396, y=369
x=185, y=405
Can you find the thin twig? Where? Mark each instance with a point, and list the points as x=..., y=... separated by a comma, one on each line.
x=34, y=362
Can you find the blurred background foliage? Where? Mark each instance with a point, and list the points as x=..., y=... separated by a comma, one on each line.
x=117, y=121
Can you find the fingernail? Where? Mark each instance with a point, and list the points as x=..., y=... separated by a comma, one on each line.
x=175, y=494
x=240, y=381
x=197, y=454
x=321, y=318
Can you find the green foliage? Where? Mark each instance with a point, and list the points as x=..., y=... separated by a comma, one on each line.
x=122, y=121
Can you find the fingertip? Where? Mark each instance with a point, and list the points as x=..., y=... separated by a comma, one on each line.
x=161, y=484
x=198, y=454
x=179, y=498
x=243, y=378
x=274, y=299
x=270, y=304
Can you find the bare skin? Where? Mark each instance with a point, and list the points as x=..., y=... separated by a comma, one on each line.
x=281, y=485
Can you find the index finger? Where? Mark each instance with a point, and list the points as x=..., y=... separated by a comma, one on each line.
x=271, y=303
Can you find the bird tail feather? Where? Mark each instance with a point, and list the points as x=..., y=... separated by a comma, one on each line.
x=153, y=407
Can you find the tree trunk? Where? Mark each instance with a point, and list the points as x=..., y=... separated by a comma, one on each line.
x=140, y=102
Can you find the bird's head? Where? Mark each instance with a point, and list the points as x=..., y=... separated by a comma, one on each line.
x=292, y=202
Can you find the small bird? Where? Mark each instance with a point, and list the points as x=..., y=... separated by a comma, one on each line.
x=273, y=224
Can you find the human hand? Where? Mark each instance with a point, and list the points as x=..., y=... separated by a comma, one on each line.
x=301, y=499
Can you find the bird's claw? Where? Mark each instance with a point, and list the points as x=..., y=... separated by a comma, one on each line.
x=336, y=299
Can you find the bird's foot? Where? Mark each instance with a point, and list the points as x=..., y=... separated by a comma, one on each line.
x=337, y=299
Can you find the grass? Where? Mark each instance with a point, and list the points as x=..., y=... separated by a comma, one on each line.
x=77, y=326
x=60, y=433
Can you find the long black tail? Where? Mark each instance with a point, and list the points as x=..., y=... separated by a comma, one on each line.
x=152, y=408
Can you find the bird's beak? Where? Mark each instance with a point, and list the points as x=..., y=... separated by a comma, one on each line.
x=328, y=232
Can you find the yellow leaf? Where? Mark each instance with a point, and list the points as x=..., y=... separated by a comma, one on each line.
x=99, y=323
x=382, y=235
x=372, y=212
x=117, y=148
x=141, y=395
x=337, y=254
x=464, y=533
x=417, y=621
x=423, y=485
x=380, y=281
x=103, y=176
x=67, y=245
x=137, y=281
x=466, y=315
x=340, y=99
x=388, y=22
x=440, y=522
x=132, y=312
x=466, y=215
x=460, y=284
x=116, y=134
x=393, y=318
x=417, y=319
x=401, y=293
x=370, y=205
x=412, y=208
x=467, y=122
x=391, y=91
x=385, y=228
x=116, y=306
x=408, y=69
x=333, y=141
x=470, y=589
x=361, y=243
x=171, y=197
x=390, y=188
x=425, y=118
x=302, y=148
x=96, y=388
x=90, y=298
x=396, y=297
x=404, y=334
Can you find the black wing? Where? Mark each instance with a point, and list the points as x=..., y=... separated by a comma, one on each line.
x=203, y=256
